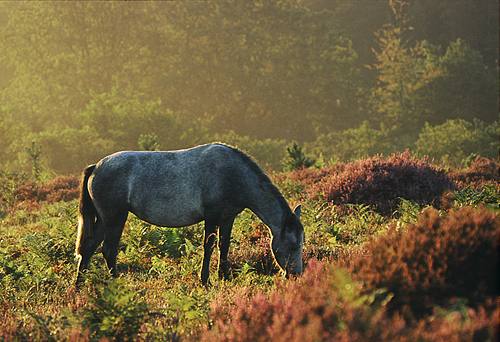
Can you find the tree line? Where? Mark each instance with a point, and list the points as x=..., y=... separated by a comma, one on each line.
x=79, y=80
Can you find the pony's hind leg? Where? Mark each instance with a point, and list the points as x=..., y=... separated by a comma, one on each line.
x=87, y=249
x=111, y=241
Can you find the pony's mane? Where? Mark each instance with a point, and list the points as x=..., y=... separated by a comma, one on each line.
x=263, y=177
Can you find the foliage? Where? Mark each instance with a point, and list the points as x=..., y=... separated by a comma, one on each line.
x=381, y=182
x=353, y=143
x=274, y=72
x=416, y=83
x=69, y=150
x=352, y=223
x=116, y=312
x=454, y=140
x=145, y=242
x=253, y=251
x=325, y=304
x=148, y=142
x=200, y=68
x=296, y=158
x=267, y=152
x=435, y=260
x=462, y=67
x=488, y=195
x=402, y=72
x=9, y=182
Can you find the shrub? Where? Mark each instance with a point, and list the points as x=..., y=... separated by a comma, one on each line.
x=296, y=182
x=482, y=171
x=468, y=325
x=9, y=182
x=311, y=176
x=62, y=188
x=435, y=260
x=68, y=150
x=382, y=182
x=350, y=144
x=454, y=140
x=148, y=142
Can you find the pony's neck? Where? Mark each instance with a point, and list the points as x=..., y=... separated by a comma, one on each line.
x=270, y=207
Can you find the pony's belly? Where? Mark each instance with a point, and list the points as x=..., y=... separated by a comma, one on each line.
x=180, y=221
x=169, y=217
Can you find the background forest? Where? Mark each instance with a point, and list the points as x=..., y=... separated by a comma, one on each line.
x=345, y=79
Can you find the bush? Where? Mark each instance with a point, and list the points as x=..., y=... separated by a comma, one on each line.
x=148, y=142
x=68, y=150
x=9, y=182
x=62, y=188
x=382, y=182
x=481, y=171
x=455, y=140
x=435, y=260
x=351, y=144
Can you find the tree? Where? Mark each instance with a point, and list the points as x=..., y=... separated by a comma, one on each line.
x=296, y=158
x=465, y=88
x=402, y=73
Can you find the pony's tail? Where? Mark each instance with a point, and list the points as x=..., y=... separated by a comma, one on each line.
x=87, y=212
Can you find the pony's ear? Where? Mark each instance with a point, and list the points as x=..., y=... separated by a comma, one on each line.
x=298, y=210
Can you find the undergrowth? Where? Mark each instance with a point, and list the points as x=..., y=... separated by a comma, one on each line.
x=381, y=264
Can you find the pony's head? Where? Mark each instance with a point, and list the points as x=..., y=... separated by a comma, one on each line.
x=287, y=245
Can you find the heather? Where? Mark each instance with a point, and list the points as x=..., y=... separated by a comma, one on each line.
x=380, y=182
x=62, y=188
x=479, y=173
x=435, y=260
x=326, y=304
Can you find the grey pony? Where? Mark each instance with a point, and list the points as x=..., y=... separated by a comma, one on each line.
x=211, y=183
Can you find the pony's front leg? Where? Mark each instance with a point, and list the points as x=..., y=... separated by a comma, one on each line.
x=208, y=247
x=224, y=240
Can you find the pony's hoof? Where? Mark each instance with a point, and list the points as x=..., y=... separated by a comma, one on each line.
x=224, y=276
x=206, y=283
